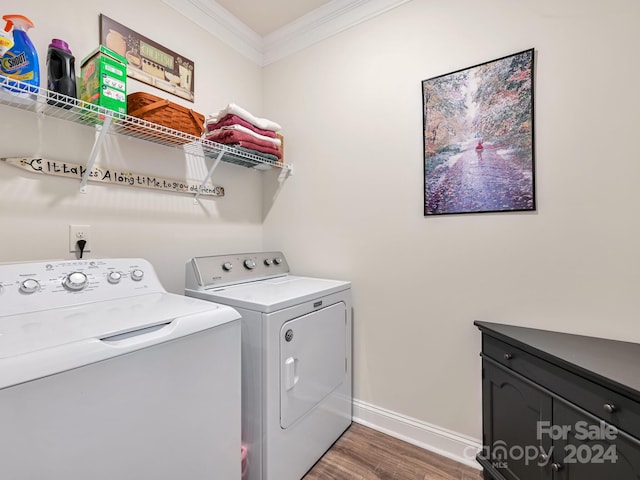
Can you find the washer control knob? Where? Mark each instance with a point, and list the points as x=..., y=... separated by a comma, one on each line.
x=277, y=260
x=114, y=277
x=75, y=281
x=137, y=274
x=227, y=266
x=268, y=262
x=29, y=286
x=250, y=264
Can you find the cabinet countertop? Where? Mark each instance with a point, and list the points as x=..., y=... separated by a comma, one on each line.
x=613, y=363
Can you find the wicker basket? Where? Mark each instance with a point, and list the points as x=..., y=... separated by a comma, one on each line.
x=163, y=112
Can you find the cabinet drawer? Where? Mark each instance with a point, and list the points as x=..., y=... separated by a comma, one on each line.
x=600, y=401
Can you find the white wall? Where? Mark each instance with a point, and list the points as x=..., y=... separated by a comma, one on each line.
x=166, y=228
x=351, y=107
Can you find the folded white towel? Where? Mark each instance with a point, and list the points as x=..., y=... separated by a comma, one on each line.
x=232, y=108
x=276, y=141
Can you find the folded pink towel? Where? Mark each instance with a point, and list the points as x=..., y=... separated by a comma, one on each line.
x=233, y=137
x=239, y=128
x=231, y=119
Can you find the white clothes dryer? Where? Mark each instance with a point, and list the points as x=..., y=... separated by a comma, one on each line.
x=296, y=357
x=104, y=375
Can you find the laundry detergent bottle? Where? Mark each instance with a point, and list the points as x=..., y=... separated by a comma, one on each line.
x=20, y=62
x=61, y=74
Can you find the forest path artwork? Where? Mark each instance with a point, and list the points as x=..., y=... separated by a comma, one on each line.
x=478, y=138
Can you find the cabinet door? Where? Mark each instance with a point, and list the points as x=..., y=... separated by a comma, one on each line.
x=592, y=450
x=512, y=410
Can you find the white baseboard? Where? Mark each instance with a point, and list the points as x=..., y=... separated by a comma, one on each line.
x=453, y=445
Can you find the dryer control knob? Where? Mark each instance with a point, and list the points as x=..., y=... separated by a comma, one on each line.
x=227, y=266
x=250, y=264
x=268, y=262
x=137, y=274
x=277, y=260
x=114, y=277
x=75, y=281
x=29, y=286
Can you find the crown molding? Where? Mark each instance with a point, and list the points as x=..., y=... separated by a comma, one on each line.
x=219, y=22
x=320, y=24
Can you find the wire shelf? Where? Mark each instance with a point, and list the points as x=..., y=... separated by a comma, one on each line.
x=51, y=104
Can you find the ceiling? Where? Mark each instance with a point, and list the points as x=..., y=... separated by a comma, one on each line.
x=266, y=31
x=266, y=16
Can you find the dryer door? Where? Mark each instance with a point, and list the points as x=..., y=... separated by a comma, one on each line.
x=312, y=360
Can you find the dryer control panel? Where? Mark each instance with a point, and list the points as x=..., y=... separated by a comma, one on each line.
x=31, y=287
x=221, y=270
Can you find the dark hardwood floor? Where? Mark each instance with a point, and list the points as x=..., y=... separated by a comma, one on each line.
x=365, y=454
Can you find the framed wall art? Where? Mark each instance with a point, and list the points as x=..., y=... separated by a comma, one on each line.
x=478, y=138
x=148, y=61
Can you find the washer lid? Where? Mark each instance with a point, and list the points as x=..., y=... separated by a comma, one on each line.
x=42, y=343
x=272, y=294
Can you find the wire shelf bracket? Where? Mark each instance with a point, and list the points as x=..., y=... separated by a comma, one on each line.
x=216, y=162
x=97, y=144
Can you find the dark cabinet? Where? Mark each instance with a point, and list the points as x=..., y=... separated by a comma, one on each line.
x=512, y=409
x=592, y=450
x=558, y=406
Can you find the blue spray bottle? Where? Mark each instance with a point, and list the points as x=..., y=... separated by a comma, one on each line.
x=20, y=62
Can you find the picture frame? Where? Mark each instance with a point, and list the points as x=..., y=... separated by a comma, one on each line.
x=148, y=61
x=478, y=138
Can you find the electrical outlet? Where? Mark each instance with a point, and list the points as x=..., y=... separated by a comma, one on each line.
x=79, y=232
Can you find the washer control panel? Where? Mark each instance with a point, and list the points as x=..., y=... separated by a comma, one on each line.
x=31, y=287
x=220, y=270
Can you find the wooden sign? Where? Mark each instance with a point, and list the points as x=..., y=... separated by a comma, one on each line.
x=112, y=176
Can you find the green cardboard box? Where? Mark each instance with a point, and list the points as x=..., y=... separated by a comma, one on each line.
x=103, y=79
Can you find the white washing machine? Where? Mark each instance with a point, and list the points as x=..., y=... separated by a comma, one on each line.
x=104, y=375
x=296, y=357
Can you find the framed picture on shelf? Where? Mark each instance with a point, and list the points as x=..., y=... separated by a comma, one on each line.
x=148, y=61
x=478, y=138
